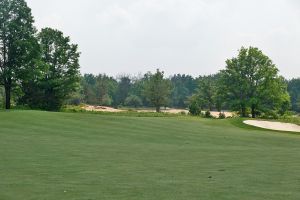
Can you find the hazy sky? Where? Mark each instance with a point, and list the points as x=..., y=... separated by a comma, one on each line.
x=177, y=36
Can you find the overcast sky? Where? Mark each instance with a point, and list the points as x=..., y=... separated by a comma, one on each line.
x=178, y=36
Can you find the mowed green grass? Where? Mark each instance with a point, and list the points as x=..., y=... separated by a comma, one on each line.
x=55, y=156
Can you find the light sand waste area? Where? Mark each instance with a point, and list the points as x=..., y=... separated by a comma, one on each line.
x=167, y=110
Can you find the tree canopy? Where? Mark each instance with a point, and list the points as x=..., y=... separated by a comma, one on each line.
x=18, y=46
x=157, y=89
x=294, y=90
x=251, y=81
x=59, y=77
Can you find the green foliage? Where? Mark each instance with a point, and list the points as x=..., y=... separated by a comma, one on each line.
x=222, y=115
x=18, y=47
x=194, y=108
x=2, y=97
x=207, y=91
x=77, y=97
x=123, y=89
x=207, y=114
x=59, y=76
x=294, y=91
x=99, y=90
x=251, y=81
x=104, y=88
x=157, y=89
x=294, y=119
x=134, y=101
x=137, y=88
x=183, y=86
x=270, y=114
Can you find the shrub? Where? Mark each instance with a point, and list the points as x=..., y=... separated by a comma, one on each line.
x=182, y=113
x=194, y=108
x=270, y=115
x=134, y=101
x=222, y=115
x=208, y=114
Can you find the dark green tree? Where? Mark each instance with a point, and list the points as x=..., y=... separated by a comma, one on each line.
x=251, y=81
x=105, y=89
x=18, y=47
x=194, y=107
x=137, y=88
x=294, y=91
x=88, y=82
x=157, y=89
x=134, y=101
x=183, y=86
x=59, y=77
x=207, y=91
x=124, y=86
x=98, y=90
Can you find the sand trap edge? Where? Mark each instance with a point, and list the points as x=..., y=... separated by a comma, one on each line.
x=276, y=126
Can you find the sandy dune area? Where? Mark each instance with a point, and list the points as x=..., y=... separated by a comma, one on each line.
x=278, y=126
x=102, y=109
x=168, y=110
x=216, y=114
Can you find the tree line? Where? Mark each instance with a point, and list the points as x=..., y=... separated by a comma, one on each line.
x=148, y=90
x=40, y=70
x=250, y=89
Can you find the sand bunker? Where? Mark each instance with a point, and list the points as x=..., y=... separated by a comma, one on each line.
x=278, y=126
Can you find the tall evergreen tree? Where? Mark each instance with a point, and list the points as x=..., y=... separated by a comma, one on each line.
x=124, y=86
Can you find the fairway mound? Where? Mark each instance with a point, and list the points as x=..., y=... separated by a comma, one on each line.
x=278, y=126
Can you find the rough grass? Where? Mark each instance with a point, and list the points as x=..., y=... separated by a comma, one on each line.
x=291, y=119
x=71, y=156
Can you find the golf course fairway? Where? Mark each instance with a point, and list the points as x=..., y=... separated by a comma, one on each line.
x=71, y=156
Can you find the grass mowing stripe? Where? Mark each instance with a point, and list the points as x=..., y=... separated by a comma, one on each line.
x=81, y=156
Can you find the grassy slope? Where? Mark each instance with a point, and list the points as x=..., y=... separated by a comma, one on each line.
x=54, y=156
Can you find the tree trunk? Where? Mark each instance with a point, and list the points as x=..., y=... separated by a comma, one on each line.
x=243, y=111
x=253, y=111
x=7, y=96
x=158, y=109
x=210, y=107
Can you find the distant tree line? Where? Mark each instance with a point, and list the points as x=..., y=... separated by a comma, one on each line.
x=249, y=84
x=40, y=70
x=148, y=90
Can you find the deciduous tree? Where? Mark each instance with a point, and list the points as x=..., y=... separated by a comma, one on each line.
x=252, y=82
x=157, y=89
x=18, y=46
x=59, y=78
